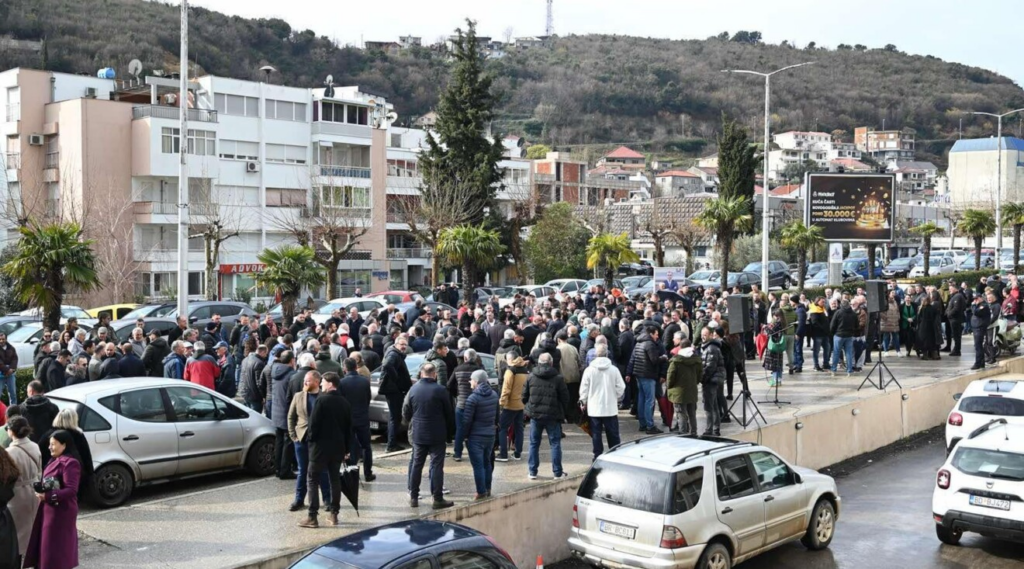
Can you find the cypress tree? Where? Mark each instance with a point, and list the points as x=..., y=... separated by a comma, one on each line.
x=737, y=163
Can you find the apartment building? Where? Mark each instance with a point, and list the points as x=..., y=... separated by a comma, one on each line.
x=624, y=158
x=884, y=145
x=678, y=183
x=974, y=167
x=797, y=148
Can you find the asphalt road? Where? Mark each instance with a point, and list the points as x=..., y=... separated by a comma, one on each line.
x=886, y=524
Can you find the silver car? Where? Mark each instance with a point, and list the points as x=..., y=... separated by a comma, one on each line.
x=148, y=430
x=683, y=502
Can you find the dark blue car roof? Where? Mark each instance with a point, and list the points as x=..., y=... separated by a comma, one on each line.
x=379, y=546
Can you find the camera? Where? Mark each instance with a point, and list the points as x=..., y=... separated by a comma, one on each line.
x=45, y=485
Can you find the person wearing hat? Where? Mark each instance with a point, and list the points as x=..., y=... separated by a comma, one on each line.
x=209, y=336
x=226, y=384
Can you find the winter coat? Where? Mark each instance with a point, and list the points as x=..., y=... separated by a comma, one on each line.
x=626, y=343
x=56, y=376
x=981, y=316
x=645, y=362
x=202, y=370
x=817, y=322
x=131, y=366
x=427, y=409
x=547, y=347
x=713, y=362
x=844, y=323
x=24, y=505
x=496, y=334
x=8, y=360
x=154, y=356
x=458, y=383
x=54, y=541
x=330, y=427
x=684, y=375
x=138, y=348
x=40, y=413
x=569, y=365
x=174, y=366
x=481, y=413
x=801, y=320
x=789, y=318
x=957, y=307
x=394, y=376
x=439, y=363
x=929, y=329
x=356, y=390
x=512, y=385
x=504, y=347
x=251, y=388
x=889, y=322
x=601, y=388
x=480, y=342
x=279, y=376
x=546, y=395
x=908, y=317
x=324, y=364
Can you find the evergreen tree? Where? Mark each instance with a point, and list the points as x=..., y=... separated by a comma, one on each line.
x=736, y=163
x=463, y=153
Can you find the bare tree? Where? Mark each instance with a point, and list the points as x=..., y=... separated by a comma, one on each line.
x=508, y=34
x=597, y=219
x=523, y=209
x=214, y=225
x=44, y=193
x=688, y=236
x=109, y=222
x=657, y=226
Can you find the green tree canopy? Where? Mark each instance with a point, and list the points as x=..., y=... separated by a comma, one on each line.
x=977, y=224
x=537, y=151
x=556, y=247
x=471, y=248
x=724, y=218
x=608, y=251
x=801, y=238
x=926, y=230
x=290, y=270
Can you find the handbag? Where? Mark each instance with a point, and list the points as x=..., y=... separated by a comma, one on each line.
x=776, y=346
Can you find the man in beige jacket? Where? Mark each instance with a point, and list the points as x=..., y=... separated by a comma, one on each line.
x=298, y=422
x=569, y=367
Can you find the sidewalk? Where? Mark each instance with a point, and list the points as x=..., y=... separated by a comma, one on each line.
x=249, y=520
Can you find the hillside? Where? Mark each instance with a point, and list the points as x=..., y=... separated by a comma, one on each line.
x=658, y=94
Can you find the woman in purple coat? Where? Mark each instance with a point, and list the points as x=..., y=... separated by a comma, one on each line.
x=54, y=541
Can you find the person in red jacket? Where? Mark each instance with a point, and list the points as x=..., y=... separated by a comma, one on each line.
x=202, y=368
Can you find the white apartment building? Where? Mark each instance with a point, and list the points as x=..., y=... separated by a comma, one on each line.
x=973, y=166
x=797, y=147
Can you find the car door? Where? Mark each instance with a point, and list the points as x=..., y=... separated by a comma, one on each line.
x=200, y=315
x=785, y=502
x=739, y=505
x=208, y=438
x=145, y=431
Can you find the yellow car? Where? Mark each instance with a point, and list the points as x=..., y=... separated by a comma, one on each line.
x=117, y=311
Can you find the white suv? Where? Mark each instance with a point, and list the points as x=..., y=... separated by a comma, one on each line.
x=982, y=401
x=682, y=502
x=978, y=489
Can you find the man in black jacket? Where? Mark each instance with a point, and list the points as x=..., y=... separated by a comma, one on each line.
x=356, y=390
x=39, y=411
x=251, y=387
x=981, y=316
x=154, y=355
x=645, y=366
x=478, y=340
x=427, y=410
x=546, y=398
x=626, y=343
x=56, y=374
x=8, y=367
x=955, y=310
x=843, y=329
x=330, y=439
x=394, y=384
x=130, y=365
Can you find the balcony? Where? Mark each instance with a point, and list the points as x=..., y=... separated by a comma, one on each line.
x=342, y=129
x=164, y=208
x=404, y=185
x=418, y=253
x=172, y=113
x=331, y=171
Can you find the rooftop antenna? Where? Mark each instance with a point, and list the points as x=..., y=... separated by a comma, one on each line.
x=267, y=70
x=549, y=25
x=329, y=90
x=134, y=68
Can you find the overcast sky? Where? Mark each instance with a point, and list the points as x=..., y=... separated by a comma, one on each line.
x=974, y=33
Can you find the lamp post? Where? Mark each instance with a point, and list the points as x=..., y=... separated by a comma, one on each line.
x=183, y=213
x=999, y=181
x=767, y=121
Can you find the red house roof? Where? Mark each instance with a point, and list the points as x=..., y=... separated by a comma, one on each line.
x=623, y=152
x=782, y=191
x=677, y=173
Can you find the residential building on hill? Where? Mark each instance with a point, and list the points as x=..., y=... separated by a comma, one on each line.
x=678, y=183
x=884, y=145
x=625, y=158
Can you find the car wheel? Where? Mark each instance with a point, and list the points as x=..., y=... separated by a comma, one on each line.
x=112, y=485
x=786, y=283
x=716, y=556
x=823, y=524
x=948, y=536
x=260, y=461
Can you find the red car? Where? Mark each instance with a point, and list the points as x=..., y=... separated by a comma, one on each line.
x=397, y=296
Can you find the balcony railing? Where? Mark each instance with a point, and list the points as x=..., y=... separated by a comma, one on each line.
x=164, y=208
x=52, y=160
x=329, y=171
x=415, y=253
x=12, y=160
x=341, y=129
x=399, y=217
x=164, y=112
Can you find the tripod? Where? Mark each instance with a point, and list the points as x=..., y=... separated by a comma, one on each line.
x=746, y=399
x=882, y=382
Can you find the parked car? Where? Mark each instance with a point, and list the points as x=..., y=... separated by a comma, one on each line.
x=435, y=308
x=736, y=278
x=379, y=406
x=860, y=266
x=706, y=277
x=982, y=401
x=641, y=268
x=821, y=279
x=363, y=305
x=565, y=288
x=539, y=291
x=396, y=296
x=616, y=283
x=778, y=273
x=66, y=311
x=410, y=544
x=148, y=430
x=812, y=269
x=685, y=502
x=943, y=265
x=979, y=486
x=899, y=268
x=150, y=311
x=122, y=329
x=201, y=312
x=9, y=324
x=25, y=338
x=637, y=285
x=987, y=262
x=116, y=311
x=277, y=311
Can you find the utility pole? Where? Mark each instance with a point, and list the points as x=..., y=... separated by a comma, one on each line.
x=183, y=169
x=999, y=180
x=549, y=24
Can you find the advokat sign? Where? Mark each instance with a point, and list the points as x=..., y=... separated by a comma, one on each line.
x=851, y=207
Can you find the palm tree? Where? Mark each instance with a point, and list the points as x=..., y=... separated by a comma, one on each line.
x=52, y=260
x=977, y=224
x=609, y=251
x=470, y=247
x=926, y=230
x=290, y=270
x=1013, y=213
x=796, y=235
x=725, y=218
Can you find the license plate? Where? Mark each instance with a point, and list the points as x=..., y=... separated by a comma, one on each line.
x=616, y=529
x=374, y=425
x=990, y=503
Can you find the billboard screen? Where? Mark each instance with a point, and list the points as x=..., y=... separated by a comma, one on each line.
x=674, y=278
x=851, y=207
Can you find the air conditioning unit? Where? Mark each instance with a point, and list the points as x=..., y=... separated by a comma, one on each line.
x=36, y=140
x=252, y=167
x=90, y=92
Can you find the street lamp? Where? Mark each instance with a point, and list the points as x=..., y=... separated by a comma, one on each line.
x=767, y=120
x=999, y=181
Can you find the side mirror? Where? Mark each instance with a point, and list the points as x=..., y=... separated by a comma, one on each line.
x=957, y=396
x=797, y=479
x=193, y=319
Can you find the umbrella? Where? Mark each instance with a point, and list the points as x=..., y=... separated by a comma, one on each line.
x=350, y=486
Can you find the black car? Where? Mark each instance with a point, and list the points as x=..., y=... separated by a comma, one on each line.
x=899, y=268
x=202, y=312
x=123, y=328
x=410, y=544
x=778, y=273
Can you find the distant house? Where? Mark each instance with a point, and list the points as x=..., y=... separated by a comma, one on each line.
x=790, y=191
x=850, y=165
x=410, y=41
x=707, y=175
x=388, y=47
x=678, y=183
x=625, y=158
x=427, y=121
x=515, y=146
x=708, y=161
x=531, y=42
x=914, y=176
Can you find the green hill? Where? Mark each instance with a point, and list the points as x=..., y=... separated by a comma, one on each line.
x=660, y=95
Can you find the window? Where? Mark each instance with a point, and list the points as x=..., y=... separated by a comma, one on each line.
x=688, y=487
x=402, y=168
x=145, y=405
x=191, y=405
x=771, y=472
x=286, y=154
x=237, y=105
x=733, y=477
x=88, y=420
x=201, y=313
x=169, y=140
x=281, y=197
x=285, y=110
x=196, y=281
x=226, y=309
x=239, y=150
x=356, y=115
x=630, y=487
x=998, y=406
x=13, y=104
x=202, y=142
x=418, y=564
x=345, y=196
x=465, y=560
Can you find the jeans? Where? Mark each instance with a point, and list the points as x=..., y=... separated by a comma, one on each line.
x=798, y=352
x=329, y=465
x=394, y=417
x=302, y=457
x=283, y=453
x=685, y=418
x=419, y=458
x=979, y=348
x=610, y=425
x=822, y=344
x=480, y=449
x=12, y=389
x=711, y=409
x=255, y=406
x=266, y=407
x=889, y=339
x=361, y=436
x=460, y=435
x=554, y=429
x=645, y=403
x=844, y=345
x=512, y=419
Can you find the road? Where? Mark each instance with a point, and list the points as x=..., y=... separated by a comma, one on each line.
x=886, y=524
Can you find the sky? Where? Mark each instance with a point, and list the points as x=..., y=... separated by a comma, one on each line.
x=973, y=34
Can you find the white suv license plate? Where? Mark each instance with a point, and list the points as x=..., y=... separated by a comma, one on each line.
x=374, y=425
x=616, y=529
x=990, y=503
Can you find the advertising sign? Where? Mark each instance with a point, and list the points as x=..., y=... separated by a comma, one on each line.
x=672, y=277
x=239, y=269
x=857, y=208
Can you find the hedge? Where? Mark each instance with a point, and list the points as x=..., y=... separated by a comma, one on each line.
x=22, y=378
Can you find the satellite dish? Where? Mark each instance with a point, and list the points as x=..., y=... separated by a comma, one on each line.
x=329, y=81
x=134, y=68
x=392, y=117
x=268, y=69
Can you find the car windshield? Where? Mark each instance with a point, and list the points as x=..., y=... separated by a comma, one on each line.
x=23, y=334
x=140, y=312
x=73, y=312
x=633, y=281
x=821, y=276
x=753, y=268
x=904, y=262
x=989, y=463
x=331, y=307
x=815, y=267
x=998, y=406
x=704, y=276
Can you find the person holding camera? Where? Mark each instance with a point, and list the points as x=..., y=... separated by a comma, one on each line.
x=54, y=540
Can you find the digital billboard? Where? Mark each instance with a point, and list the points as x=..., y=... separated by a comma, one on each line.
x=856, y=208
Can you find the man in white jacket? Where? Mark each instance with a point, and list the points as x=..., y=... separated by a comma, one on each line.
x=600, y=391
